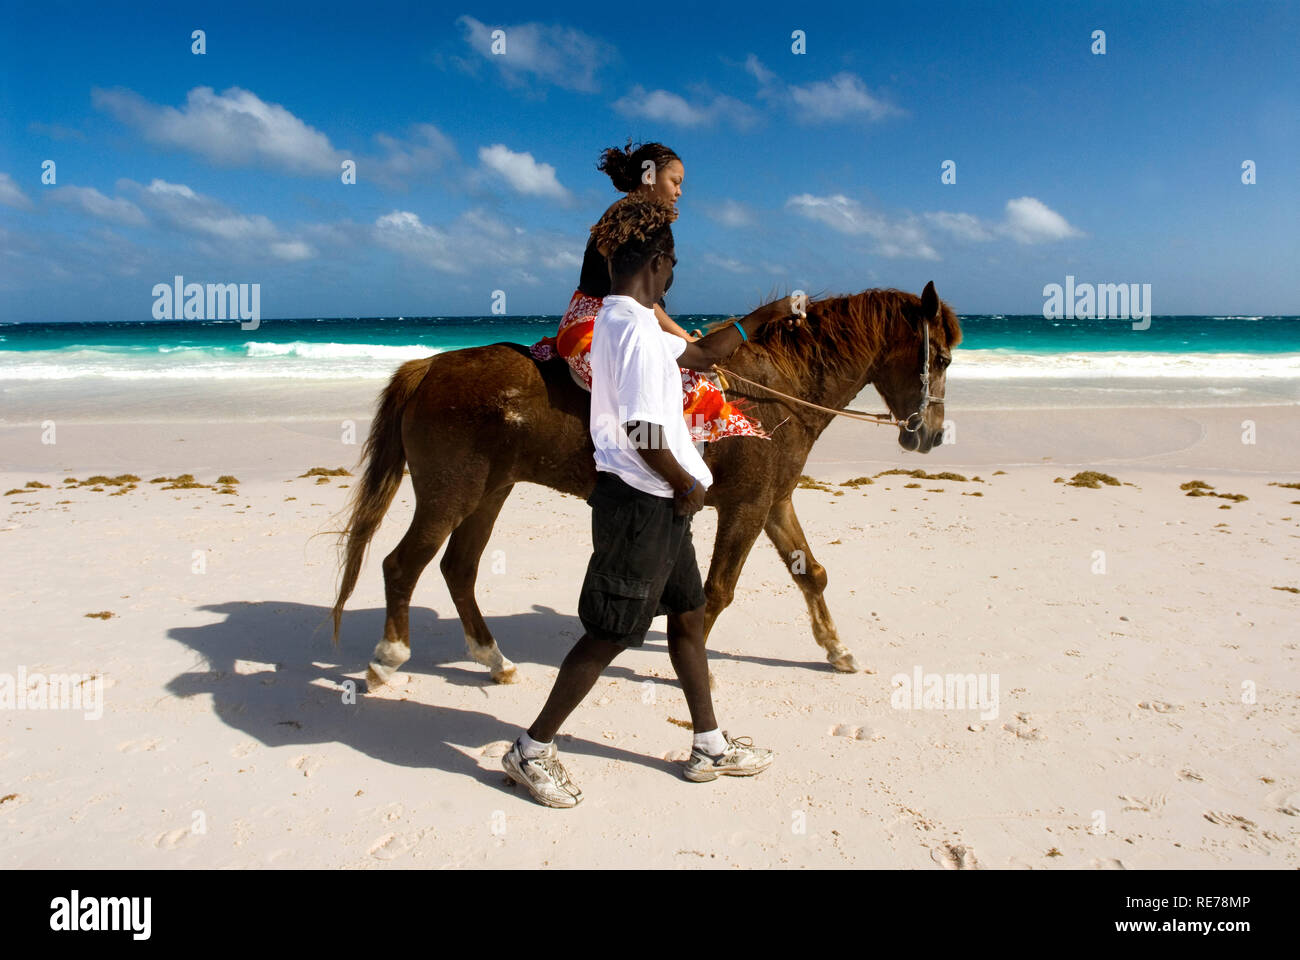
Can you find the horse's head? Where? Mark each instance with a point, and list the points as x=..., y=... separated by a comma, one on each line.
x=911, y=375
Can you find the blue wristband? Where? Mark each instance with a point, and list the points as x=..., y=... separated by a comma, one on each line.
x=687, y=491
x=736, y=324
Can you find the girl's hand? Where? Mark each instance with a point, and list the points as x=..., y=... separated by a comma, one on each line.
x=793, y=310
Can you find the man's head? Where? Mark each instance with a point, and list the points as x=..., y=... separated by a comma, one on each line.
x=636, y=239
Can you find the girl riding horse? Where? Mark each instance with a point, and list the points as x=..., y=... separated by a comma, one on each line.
x=654, y=171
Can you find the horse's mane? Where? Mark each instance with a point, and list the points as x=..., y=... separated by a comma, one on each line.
x=842, y=332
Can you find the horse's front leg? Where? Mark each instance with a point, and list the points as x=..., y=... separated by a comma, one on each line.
x=788, y=537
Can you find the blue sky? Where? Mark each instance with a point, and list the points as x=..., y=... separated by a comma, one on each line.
x=476, y=172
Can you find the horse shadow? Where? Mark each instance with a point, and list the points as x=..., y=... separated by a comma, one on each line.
x=258, y=649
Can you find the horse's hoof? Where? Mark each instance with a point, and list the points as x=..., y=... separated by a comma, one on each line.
x=508, y=675
x=845, y=663
x=373, y=680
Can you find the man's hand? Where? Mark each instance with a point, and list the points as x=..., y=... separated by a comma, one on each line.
x=685, y=504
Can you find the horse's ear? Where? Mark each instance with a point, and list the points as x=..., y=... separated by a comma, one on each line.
x=929, y=302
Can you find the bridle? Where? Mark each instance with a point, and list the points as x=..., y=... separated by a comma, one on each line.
x=912, y=424
x=926, y=397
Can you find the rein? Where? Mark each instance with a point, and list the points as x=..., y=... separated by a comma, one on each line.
x=911, y=424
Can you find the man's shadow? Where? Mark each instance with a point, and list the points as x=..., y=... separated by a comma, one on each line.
x=288, y=644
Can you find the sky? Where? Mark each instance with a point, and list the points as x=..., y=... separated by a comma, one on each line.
x=819, y=170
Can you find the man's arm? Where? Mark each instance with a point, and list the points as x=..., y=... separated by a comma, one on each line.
x=722, y=343
x=645, y=438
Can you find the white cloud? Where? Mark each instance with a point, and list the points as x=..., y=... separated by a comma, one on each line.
x=235, y=128
x=963, y=226
x=238, y=128
x=475, y=239
x=1029, y=220
x=194, y=213
x=730, y=213
x=561, y=56
x=562, y=260
x=292, y=250
x=765, y=77
x=843, y=95
x=96, y=204
x=663, y=106
x=405, y=233
x=894, y=237
x=727, y=263
x=55, y=131
x=10, y=195
x=426, y=150
x=522, y=172
x=182, y=209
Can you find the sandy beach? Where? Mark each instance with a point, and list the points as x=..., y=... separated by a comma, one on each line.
x=1142, y=645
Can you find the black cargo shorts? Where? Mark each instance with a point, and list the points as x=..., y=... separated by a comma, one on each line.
x=642, y=563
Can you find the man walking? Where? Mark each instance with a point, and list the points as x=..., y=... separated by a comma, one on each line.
x=650, y=481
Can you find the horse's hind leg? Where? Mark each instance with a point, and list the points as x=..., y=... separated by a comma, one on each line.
x=787, y=536
x=402, y=569
x=460, y=570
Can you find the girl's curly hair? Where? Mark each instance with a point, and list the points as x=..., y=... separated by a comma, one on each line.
x=633, y=231
x=624, y=165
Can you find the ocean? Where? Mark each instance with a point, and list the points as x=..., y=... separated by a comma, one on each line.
x=1003, y=361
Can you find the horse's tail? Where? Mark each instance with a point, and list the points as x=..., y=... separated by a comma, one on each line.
x=385, y=460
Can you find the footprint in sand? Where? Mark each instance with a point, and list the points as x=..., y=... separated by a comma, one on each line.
x=243, y=749
x=1284, y=802
x=853, y=732
x=308, y=765
x=953, y=856
x=393, y=845
x=1107, y=863
x=1250, y=827
x=136, y=746
x=496, y=749
x=1159, y=706
x=680, y=755
x=173, y=838
x=1144, y=804
x=1023, y=728
x=1230, y=820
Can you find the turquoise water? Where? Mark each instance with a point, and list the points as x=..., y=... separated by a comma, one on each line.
x=995, y=347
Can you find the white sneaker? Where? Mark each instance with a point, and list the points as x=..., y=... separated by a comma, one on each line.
x=740, y=759
x=544, y=776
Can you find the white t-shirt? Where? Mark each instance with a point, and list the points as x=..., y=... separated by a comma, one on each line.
x=634, y=376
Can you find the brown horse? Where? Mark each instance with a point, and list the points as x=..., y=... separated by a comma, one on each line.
x=472, y=423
